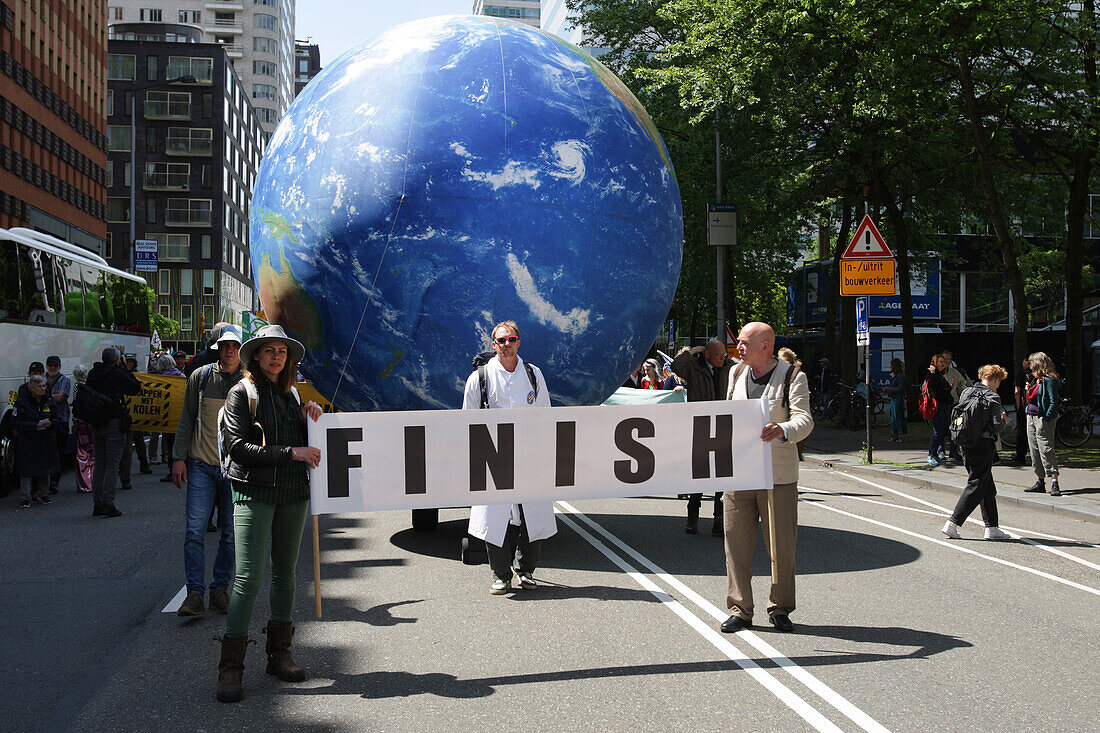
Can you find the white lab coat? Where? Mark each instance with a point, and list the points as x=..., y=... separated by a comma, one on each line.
x=508, y=390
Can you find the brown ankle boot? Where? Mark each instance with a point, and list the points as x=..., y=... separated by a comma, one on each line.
x=279, y=661
x=231, y=668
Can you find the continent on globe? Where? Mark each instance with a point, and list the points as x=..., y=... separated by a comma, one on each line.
x=452, y=173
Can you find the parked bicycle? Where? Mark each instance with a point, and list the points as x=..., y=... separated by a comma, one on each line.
x=1077, y=422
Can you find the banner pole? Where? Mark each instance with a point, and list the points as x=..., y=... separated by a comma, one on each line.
x=771, y=536
x=316, y=568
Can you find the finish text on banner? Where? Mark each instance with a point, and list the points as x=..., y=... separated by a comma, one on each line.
x=455, y=458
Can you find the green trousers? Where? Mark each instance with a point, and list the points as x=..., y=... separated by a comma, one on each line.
x=255, y=523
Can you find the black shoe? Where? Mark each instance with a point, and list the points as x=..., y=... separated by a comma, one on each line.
x=111, y=511
x=53, y=489
x=145, y=469
x=98, y=510
x=1038, y=488
x=716, y=528
x=1054, y=490
x=44, y=499
x=781, y=622
x=734, y=624
x=126, y=488
x=166, y=479
x=692, y=526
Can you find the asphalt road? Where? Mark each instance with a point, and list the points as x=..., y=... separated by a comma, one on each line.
x=897, y=628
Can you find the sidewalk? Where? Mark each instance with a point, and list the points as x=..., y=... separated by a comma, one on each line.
x=907, y=462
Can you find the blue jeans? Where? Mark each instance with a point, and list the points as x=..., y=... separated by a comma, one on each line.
x=205, y=485
x=897, y=415
x=108, y=453
x=939, y=431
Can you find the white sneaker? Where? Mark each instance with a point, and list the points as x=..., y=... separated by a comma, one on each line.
x=951, y=530
x=500, y=587
x=996, y=533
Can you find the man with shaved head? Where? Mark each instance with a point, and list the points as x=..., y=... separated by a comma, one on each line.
x=761, y=375
x=705, y=370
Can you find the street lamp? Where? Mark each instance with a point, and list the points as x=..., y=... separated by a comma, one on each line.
x=186, y=79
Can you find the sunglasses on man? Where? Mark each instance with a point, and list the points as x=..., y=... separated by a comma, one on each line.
x=506, y=340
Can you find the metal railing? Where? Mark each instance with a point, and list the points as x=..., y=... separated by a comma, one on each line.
x=167, y=182
x=188, y=146
x=187, y=217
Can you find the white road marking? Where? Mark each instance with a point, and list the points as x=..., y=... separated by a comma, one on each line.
x=943, y=511
x=176, y=602
x=721, y=642
x=959, y=548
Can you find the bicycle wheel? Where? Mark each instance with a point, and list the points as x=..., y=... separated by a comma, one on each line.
x=1074, y=427
x=854, y=417
x=880, y=413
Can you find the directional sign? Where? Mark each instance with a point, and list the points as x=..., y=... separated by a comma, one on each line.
x=868, y=277
x=863, y=321
x=722, y=225
x=145, y=255
x=867, y=242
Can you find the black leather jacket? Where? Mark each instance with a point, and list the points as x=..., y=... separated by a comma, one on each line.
x=250, y=461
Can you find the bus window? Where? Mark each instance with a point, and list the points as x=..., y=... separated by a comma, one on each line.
x=129, y=303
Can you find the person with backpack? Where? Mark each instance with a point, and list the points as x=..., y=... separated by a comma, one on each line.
x=197, y=463
x=1043, y=399
x=976, y=421
x=266, y=457
x=936, y=391
x=512, y=533
x=110, y=425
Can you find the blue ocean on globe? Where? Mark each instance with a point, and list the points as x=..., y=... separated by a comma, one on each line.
x=452, y=173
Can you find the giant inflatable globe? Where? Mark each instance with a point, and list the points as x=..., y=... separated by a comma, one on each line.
x=452, y=173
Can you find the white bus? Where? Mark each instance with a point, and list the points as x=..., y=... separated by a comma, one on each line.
x=58, y=299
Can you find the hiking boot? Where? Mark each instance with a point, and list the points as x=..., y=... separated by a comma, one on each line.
x=192, y=605
x=1054, y=490
x=219, y=601
x=1037, y=488
x=231, y=667
x=279, y=661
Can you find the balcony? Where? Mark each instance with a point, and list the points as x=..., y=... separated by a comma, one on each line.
x=223, y=27
x=155, y=110
x=167, y=182
x=188, y=146
x=225, y=6
x=187, y=218
x=233, y=50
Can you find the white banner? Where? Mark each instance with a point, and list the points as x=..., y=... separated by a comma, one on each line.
x=456, y=458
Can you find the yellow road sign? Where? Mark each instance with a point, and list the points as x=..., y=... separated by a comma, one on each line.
x=868, y=276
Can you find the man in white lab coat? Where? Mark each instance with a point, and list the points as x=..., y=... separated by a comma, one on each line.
x=512, y=532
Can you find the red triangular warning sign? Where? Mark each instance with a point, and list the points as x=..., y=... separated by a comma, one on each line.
x=867, y=242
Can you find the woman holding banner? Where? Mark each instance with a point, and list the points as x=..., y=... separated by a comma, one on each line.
x=264, y=435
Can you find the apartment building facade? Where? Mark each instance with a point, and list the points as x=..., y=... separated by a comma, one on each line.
x=53, y=141
x=258, y=36
x=181, y=172
x=523, y=11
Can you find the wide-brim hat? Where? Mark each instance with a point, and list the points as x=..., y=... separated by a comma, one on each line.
x=272, y=332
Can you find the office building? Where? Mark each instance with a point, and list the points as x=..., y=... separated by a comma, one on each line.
x=307, y=64
x=258, y=36
x=555, y=19
x=53, y=130
x=523, y=11
x=195, y=146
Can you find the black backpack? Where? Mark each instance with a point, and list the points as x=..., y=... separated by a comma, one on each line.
x=479, y=363
x=93, y=407
x=969, y=418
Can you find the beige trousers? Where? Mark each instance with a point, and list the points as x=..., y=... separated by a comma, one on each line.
x=744, y=512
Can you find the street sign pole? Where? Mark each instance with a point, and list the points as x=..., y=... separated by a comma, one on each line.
x=863, y=340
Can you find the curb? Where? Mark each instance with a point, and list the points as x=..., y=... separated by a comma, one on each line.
x=842, y=463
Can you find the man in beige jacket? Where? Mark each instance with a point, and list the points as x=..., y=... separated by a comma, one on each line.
x=762, y=375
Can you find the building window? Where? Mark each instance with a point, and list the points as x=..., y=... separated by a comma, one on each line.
x=267, y=116
x=270, y=3
x=182, y=16
x=150, y=211
x=116, y=13
x=151, y=68
x=207, y=282
x=150, y=140
x=172, y=247
x=165, y=285
x=153, y=15
x=263, y=91
x=196, y=16
x=168, y=176
x=108, y=251
x=120, y=66
x=200, y=68
x=188, y=212
x=165, y=310
x=265, y=68
x=185, y=282
x=126, y=173
x=185, y=318
x=266, y=45
x=205, y=175
x=118, y=208
x=207, y=106
x=110, y=173
x=266, y=22
x=206, y=246
x=167, y=105
x=189, y=141
x=110, y=102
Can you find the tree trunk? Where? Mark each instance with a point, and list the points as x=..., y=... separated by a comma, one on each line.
x=833, y=300
x=993, y=207
x=899, y=241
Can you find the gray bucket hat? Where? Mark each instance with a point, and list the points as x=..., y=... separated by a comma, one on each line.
x=272, y=332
